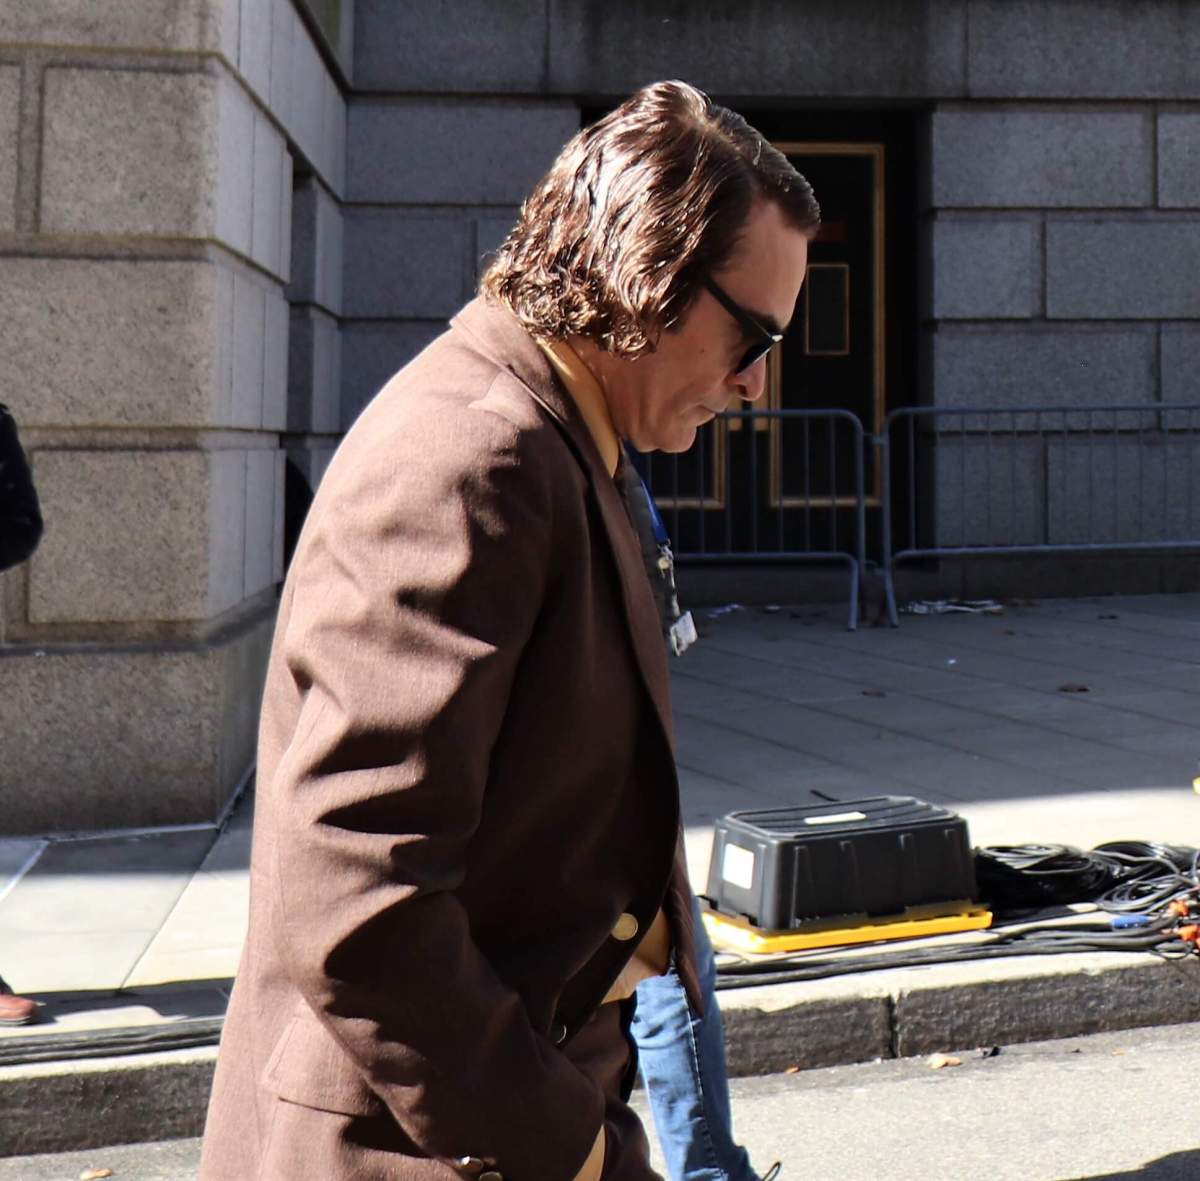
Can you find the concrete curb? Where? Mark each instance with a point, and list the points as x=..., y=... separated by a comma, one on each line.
x=903, y=1012
x=60, y=1106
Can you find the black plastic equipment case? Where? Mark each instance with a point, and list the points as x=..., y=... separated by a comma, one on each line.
x=782, y=868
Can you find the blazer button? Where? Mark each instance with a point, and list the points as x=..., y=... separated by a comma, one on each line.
x=491, y=1175
x=558, y=1033
x=471, y=1165
x=625, y=928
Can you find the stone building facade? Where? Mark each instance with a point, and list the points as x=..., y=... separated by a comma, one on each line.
x=224, y=223
x=171, y=173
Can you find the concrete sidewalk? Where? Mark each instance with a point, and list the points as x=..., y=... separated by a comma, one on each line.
x=1067, y=721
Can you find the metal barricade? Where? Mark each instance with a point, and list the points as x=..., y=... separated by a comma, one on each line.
x=1037, y=480
x=740, y=496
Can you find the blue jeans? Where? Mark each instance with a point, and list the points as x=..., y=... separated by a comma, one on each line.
x=682, y=1060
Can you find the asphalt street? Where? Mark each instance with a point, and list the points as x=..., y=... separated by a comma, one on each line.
x=1115, y=1107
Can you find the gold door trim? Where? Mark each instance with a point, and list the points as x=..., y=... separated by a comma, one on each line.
x=879, y=395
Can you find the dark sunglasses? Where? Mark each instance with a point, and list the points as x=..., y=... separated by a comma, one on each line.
x=767, y=339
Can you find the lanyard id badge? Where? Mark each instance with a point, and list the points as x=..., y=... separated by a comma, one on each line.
x=681, y=634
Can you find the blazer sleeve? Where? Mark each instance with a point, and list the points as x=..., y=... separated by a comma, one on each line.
x=20, y=513
x=416, y=587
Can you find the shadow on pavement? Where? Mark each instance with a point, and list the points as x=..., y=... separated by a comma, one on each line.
x=87, y=1024
x=1178, y=1166
x=196, y=998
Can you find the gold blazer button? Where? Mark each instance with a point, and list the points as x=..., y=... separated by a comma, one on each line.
x=625, y=928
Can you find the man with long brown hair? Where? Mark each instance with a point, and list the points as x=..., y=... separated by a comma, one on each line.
x=467, y=850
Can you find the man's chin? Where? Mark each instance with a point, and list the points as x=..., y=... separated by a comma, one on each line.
x=679, y=441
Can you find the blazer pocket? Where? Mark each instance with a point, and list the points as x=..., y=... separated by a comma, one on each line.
x=308, y=1067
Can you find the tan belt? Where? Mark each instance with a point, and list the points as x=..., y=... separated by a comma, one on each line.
x=650, y=958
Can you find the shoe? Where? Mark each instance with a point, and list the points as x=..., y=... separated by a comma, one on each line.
x=773, y=1171
x=16, y=1010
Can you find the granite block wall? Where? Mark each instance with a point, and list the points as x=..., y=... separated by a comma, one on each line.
x=433, y=184
x=148, y=156
x=1064, y=250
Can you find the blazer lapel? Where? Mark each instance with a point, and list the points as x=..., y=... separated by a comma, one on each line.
x=640, y=608
x=499, y=335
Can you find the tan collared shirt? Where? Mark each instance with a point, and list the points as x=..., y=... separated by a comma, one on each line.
x=586, y=393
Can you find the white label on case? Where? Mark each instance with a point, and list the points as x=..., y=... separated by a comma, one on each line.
x=738, y=866
x=835, y=818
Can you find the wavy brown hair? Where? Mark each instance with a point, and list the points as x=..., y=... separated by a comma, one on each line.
x=612, y=242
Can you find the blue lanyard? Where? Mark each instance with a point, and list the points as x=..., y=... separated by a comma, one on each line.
x=656, y=522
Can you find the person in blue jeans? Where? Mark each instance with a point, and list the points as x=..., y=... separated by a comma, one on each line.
x=682, y=1059
x=681, y=1055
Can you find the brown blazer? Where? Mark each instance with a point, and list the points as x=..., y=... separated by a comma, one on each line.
x=465, y=778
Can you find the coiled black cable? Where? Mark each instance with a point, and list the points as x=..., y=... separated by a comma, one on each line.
x=1021, y=877
x=1149, y=875
x=1120, y=876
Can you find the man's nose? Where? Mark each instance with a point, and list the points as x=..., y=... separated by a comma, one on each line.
x=752, y=382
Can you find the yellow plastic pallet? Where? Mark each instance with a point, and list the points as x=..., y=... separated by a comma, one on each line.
x=736, y=934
